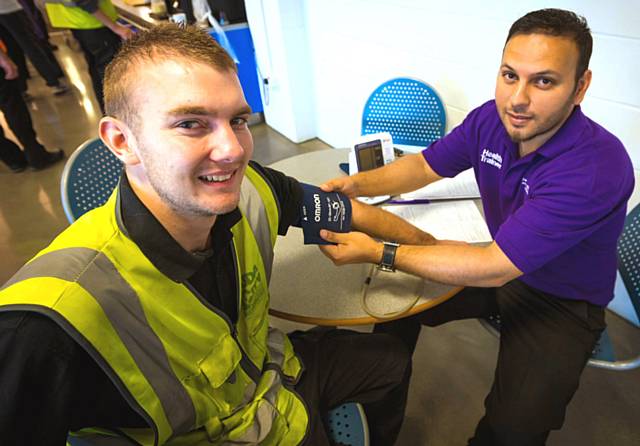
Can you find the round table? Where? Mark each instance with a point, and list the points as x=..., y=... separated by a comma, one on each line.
x=305, y=285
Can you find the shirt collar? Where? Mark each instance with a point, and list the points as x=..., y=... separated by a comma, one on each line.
x=159, y=246
x=566, y=136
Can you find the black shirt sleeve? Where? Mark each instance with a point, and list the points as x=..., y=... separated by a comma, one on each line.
x=288, y=192
x=34, y=380
x=50, y=385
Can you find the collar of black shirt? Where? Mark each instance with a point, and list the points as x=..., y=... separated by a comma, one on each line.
x=159, y=246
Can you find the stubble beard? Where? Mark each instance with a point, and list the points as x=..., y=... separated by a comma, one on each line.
x=551, y=122
x=159, y=178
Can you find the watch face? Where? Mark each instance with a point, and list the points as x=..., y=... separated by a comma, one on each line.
x=388, y=257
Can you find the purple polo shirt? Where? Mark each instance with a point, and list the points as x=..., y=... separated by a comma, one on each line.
x=556, y=213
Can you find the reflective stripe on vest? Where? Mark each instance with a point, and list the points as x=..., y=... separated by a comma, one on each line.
x=251, y=200
x=97, y=275
x=261, y=213
x=266, y=414
x=65, y=14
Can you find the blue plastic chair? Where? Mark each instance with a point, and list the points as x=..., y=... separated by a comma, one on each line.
x=603, y=355
x=629, y=267
x=348, y=425
x=407, y=108
x=89, y=176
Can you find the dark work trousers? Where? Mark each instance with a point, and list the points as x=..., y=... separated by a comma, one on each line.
x=99, y=46
x=18, y=118
x=16, y=54
x=10, y=153
x=345, y=366
x=545, y=343
x=17, y=24
x=38, y=24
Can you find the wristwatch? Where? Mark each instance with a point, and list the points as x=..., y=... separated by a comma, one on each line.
x=388, y=257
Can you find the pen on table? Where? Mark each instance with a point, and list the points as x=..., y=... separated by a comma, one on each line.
x=415, y=201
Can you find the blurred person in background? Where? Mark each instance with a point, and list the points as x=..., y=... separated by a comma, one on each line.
x=17, y=116
x=93, y=24
x=16, y=23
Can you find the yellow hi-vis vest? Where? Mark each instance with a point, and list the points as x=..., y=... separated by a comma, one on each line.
x=193, y=376
x=65, y=14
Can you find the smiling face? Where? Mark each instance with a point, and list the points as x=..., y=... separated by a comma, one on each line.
x=536, y=89
x=192, y=143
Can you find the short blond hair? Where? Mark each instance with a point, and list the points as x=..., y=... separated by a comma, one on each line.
x=165, y=41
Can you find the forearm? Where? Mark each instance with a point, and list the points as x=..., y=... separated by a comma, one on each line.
x=406, y=174
x=4, y=59
x=384, y=225
x=7, y=65
x=458, y=264
x=105, y=20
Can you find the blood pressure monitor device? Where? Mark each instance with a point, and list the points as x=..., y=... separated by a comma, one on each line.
x=370, y=152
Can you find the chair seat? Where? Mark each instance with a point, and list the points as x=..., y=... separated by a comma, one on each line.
x=348, y=425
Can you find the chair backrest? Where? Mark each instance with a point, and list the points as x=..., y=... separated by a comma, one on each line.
x=629, y=256
x=629, y=267
x=407, y=108
x=89, y=176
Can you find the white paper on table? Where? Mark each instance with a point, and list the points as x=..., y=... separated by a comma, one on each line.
x=463, y=185
x=446, y=220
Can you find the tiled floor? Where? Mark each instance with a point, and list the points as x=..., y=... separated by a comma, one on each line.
x=453, y=363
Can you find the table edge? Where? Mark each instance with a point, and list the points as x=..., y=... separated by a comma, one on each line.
x=363, y=320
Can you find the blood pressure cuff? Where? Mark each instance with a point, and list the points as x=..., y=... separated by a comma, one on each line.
x=323, y=210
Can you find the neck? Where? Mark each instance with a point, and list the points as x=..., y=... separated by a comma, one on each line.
x=191, y=232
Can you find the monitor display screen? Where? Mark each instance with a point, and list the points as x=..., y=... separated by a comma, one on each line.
x=369, y=155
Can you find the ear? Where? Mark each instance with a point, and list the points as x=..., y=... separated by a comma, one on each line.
x=119, y=138
x=581, y=88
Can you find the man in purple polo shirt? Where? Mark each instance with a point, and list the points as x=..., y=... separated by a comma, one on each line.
x=554, y=187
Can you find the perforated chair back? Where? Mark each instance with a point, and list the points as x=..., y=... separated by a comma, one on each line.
x=629, y=256
x=407, y=108
x=89, y=176
x=629, y=267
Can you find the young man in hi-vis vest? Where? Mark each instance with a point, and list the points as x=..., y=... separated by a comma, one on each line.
x=145, y=322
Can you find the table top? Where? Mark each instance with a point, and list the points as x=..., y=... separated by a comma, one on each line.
x=306, y=286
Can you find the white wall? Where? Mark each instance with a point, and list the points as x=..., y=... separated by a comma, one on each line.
x=324, y=57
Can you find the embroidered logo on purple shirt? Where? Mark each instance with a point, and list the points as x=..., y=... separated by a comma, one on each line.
x=323, y=210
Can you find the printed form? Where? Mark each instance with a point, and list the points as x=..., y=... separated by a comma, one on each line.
x=446, y=220
x=462, y=185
